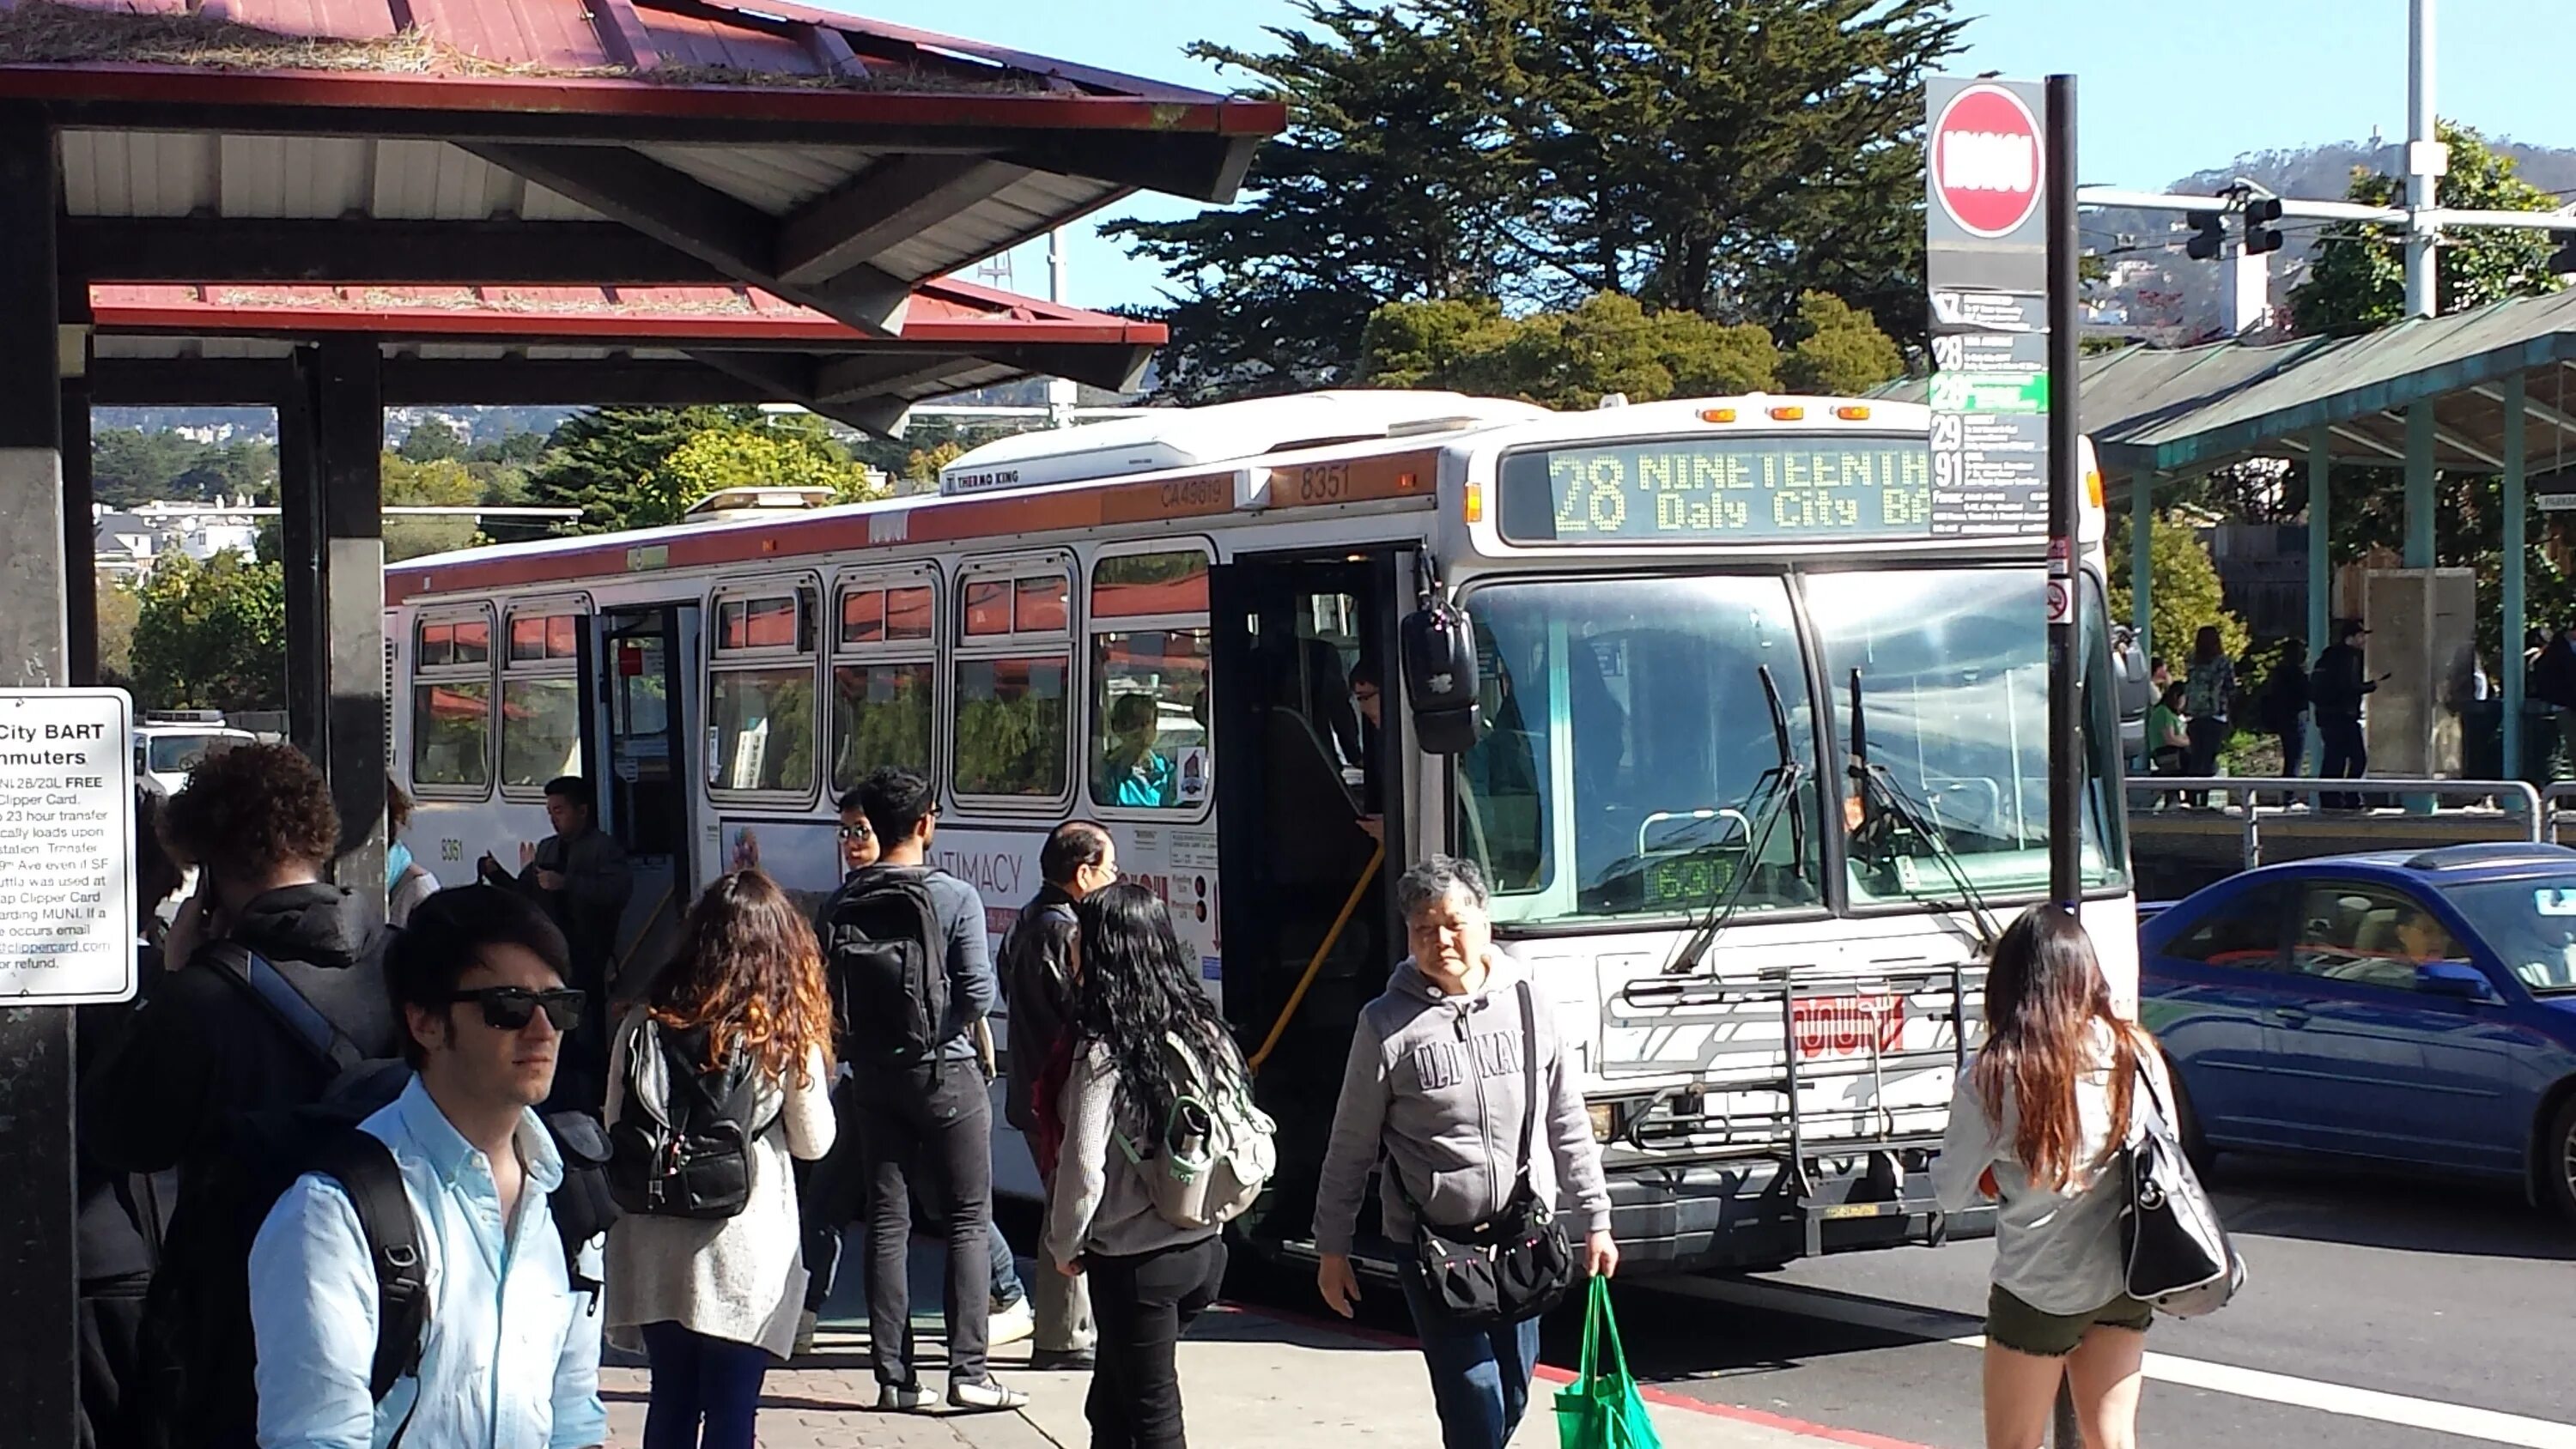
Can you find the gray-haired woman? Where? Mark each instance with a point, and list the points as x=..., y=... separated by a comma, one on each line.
x=1435, y=1079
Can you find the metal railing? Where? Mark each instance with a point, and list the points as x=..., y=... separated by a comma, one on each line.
x=2517, y=800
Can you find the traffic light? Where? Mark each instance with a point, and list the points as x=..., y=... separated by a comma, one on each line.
x=2208, y=236
x=2260, y=234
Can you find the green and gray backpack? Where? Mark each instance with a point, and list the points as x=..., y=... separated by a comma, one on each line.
x=1216, y=1149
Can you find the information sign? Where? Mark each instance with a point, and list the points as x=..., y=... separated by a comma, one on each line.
x=1986, y=266
x=67, y=909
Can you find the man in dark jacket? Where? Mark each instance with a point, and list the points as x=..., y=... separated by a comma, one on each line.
x=2335, y=692
x=1037, y=986
x=203, y=1049
x=580, y=877
x=2553, y=683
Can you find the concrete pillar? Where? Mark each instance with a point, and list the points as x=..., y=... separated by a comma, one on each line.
x=2320, y=568
x=331, y=496
x=39, y=1368
x=2516, y=559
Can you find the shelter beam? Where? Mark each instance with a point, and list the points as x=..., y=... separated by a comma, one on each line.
x=359, y=250
x=2420, y=440
x=39, y=1371
x=299, y=537
x=879, y=208
x=2516, y=560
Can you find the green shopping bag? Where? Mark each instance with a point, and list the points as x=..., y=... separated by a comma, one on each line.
x=1601, y=1410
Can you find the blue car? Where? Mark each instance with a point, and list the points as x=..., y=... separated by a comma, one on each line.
x=2414, y=1008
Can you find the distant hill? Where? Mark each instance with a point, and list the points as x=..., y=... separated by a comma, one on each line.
x=2164, y=296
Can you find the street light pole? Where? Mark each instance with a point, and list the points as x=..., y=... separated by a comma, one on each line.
x=2426, y=160
x=2065, y=484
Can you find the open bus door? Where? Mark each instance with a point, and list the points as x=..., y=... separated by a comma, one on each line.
x=1307, y=913
x=634, y=722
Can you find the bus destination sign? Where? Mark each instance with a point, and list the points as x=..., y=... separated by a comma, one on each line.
x=1719, y=490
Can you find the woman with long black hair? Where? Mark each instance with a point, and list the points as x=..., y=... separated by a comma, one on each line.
x=1136, y=994
x=2037, y=1125
x=713, y=1300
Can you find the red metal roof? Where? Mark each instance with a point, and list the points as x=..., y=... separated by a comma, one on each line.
x=944, y=315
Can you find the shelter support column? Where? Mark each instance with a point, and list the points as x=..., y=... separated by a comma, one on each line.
x=2320, y=571
x=80, y=540
x=39, y=1368
x=2142, y=515
x=331, y=444
x=2419, y=485
x=2516, y=559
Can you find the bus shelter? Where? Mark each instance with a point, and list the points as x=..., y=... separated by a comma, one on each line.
x=832, y=162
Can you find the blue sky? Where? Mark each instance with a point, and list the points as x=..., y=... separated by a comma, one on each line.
x=2167, y=86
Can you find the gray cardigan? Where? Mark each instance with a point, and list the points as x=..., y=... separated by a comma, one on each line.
x=1101, y=1203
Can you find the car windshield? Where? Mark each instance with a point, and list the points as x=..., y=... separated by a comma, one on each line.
x=1939, y=678
x=1627, y=735
x=2530, y=924
x=177, y=754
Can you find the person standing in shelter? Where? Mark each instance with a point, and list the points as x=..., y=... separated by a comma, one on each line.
x=510, y=1359
x=712, y=1301
x=2284, y=705
x=2036, y=1126
x=1078, y=859
x=906, y=949
x=2553, y=683
x=2208, y=691
x=2335, y=691
x=1136, y=994
x=209, y=1043
x=1435, y=1086
x=580, y=876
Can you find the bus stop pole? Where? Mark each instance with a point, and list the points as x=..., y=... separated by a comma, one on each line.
x=38, y=1359
x=2065, y=482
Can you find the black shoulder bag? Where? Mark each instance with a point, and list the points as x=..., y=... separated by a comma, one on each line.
x=1514, y=1265
x=2176, y=1250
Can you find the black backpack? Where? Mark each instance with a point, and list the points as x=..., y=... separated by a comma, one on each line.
x=203, y=1355
x=886, y=960
x=688, y=1156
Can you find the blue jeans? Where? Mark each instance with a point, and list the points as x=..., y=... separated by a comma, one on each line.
x=1480, y=1376
x=700, y=1379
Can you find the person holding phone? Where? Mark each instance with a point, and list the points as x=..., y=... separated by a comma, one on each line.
x=2335, y=692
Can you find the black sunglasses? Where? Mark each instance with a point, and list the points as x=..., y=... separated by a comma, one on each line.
x=511, y=1008
x=856, y=832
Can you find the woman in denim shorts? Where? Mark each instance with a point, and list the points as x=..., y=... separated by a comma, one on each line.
x=2036, y=1126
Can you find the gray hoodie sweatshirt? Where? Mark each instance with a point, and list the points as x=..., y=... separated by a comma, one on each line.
x=1438, y=1081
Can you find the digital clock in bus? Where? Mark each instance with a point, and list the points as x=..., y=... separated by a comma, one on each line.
x=1779, y=489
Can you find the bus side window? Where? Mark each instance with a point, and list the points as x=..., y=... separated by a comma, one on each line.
x=1149, y=682
x=884, y=676
x=451, y=704
x=760, y=693
x=1013, y=690
x=541, y=698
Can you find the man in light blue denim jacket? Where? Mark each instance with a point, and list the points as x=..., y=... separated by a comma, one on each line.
x=510, y=1359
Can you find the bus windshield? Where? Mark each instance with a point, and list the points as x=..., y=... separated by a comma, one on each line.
x=1951, y=704
x=1629, y=732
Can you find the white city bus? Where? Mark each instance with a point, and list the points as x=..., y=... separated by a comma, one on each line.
x=1756, y=764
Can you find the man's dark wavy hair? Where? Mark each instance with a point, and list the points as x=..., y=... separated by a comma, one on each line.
x=1139, y=986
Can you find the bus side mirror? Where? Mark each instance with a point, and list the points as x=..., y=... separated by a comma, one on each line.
x=1438, y=645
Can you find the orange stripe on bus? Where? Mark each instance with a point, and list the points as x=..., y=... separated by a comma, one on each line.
x=1358, y=480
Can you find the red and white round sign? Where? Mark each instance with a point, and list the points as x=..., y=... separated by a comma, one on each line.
x=1986, y=160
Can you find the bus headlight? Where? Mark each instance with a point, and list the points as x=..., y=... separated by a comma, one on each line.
x=1605, y=1120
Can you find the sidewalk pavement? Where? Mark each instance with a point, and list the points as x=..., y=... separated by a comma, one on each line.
x=1249, y=1380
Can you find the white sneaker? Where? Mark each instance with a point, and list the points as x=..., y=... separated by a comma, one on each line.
x=1010, y=1325
x=985, y=1396
x=905, y=1398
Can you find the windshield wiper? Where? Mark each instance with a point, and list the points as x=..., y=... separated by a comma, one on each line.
x=1775, y=787
x=1894, y=808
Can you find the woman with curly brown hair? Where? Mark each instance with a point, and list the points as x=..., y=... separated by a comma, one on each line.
x=727, y=1071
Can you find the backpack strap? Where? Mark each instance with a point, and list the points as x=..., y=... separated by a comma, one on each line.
x=1531, y=1111
x=365, y=1169
x=308, y=1024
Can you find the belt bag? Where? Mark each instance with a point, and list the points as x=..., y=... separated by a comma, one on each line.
x=1514, y=1265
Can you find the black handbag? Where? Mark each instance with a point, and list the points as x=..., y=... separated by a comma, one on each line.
x=1514, y=1265
x=2177, y=1252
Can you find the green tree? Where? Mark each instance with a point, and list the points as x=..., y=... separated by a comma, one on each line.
x=924, y=464
x=517, y=446
x=119, y=609
x=1393, y=183
x=1721, y=158
x=211, y=635
x=784, y=456
x=1609, y=344
x=1839, y=350
x=443, y=482
x=602, y=461
x=432, y=440
x=2358, y=280
x=2183, y=589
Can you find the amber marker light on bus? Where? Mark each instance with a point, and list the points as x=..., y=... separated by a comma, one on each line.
x=1788, y=415
x=2093, y=486
x=1852, y=414
x=1475, y=504
x=1717, y=415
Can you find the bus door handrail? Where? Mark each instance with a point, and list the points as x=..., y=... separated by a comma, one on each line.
x=1332, y=938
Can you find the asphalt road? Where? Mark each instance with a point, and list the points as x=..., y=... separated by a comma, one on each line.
x=2381, y=1311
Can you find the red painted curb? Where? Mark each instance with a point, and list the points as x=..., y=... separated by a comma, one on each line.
x=1664, y=1398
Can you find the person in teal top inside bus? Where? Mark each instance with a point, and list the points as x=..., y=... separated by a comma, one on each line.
x=1134, y=772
